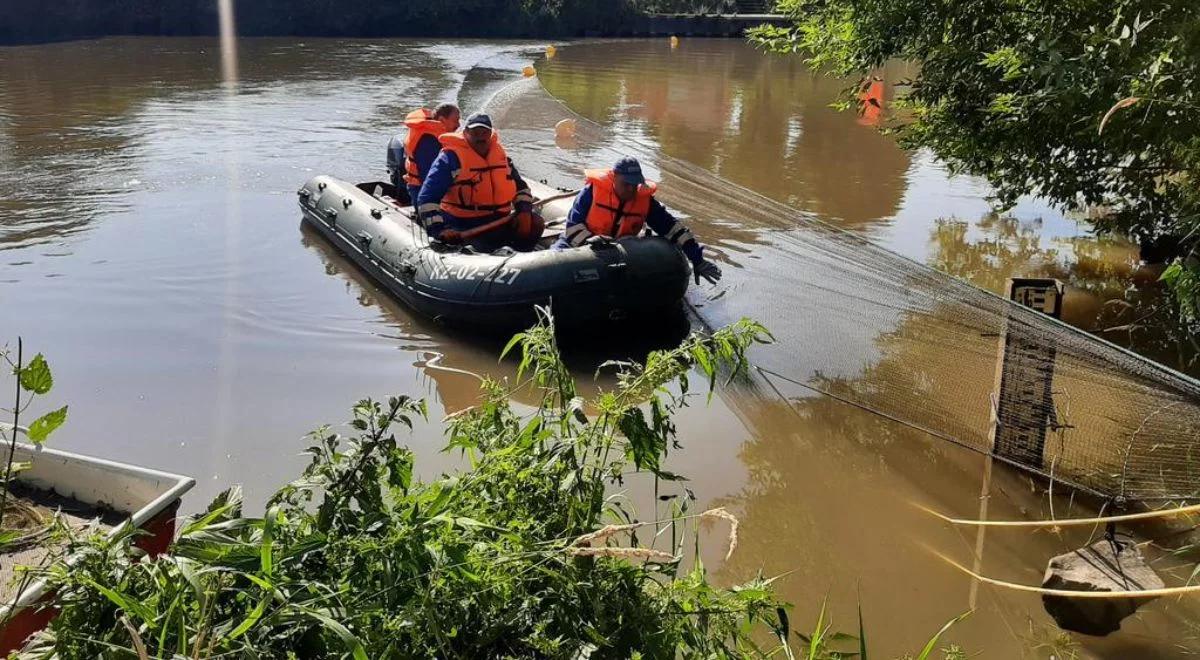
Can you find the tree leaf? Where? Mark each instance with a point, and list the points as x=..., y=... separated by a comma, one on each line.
x=35, y=376
x=43, y=426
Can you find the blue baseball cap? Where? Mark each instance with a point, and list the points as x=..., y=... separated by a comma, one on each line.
x=630, y=171
x=479, y=119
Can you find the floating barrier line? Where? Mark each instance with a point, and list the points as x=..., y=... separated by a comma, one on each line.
x=1067, y=593
x=1066, y=522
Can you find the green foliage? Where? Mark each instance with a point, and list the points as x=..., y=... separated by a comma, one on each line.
x=43, y=426
x=358, y=558
x=32, y=379
x=1018, y=92
x=35, y=377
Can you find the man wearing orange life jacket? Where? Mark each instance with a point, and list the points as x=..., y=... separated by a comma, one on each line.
x=472, y=183
x=617, y=203
x=410, y=155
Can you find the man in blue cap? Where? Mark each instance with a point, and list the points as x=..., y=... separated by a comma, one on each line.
x=472, y=184
x=619, y=202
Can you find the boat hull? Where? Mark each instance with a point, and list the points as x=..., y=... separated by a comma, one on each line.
x=626, y=279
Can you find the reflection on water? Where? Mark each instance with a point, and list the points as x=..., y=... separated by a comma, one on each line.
x=149, y=245
x=765, y=122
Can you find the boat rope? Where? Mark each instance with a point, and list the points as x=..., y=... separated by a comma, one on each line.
x=1065, y=522
x=437, y=358
x=1066, y=593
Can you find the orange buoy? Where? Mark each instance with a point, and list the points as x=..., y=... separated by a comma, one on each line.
x=529, y=72
x=550, y=51
x=565, y=129
x=674, y=41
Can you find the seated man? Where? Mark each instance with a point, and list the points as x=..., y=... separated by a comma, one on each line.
x=410, y=155
x=616, y=203
x=472, y=184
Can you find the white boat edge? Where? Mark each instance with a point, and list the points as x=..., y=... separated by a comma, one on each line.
x=142, y=493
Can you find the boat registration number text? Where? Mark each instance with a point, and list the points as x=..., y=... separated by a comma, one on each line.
x=501, y=275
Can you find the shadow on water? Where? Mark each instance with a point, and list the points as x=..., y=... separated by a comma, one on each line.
x=584, y=349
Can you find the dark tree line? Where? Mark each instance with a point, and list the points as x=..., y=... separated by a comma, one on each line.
x=26, y=21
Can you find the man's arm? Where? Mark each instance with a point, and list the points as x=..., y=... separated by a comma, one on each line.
x=427, y=151
x=437, y=182
x=664, y=224
x=576, y=232
x=524, y=199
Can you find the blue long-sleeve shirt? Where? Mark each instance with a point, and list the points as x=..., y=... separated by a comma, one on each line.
x=424, y=155
x=437, y=183
x=659, y=219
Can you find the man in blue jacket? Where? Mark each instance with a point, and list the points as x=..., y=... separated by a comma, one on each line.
x=617, y=203
x=472, y=184
x=411, y=154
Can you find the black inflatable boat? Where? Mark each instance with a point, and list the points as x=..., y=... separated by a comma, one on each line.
x=373, y=224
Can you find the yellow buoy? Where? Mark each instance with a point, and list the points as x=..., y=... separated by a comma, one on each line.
x=674, y=41
x=529, y=71
x=550, y=51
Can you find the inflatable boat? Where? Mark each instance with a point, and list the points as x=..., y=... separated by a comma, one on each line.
x=374, y=224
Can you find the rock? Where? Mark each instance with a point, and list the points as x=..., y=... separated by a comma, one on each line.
x=1102, y=566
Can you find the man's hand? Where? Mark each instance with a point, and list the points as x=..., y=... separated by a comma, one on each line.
x=528, y=225
x=450, y=236
x=708, y=270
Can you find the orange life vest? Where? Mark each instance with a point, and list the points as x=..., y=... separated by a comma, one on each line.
x=482, y=187
x=610, y=216
x=420, y=123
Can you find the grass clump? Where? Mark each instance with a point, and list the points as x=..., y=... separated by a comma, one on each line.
x=525, y=553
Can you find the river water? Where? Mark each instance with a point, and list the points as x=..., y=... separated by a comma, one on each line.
x=151, y=247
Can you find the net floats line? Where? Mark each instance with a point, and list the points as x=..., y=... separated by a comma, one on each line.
x=1065, y=522
x=1067, y=593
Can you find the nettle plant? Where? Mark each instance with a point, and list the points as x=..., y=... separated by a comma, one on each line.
x=528, y=551
x=31, y=381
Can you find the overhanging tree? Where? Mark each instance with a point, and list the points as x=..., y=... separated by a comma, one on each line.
x=1089, y=103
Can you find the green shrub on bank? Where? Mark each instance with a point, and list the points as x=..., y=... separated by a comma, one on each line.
x=512, y=557
x=1092, y=104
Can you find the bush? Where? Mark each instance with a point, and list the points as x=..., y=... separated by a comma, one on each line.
x=521, y=555
x=1091, y=104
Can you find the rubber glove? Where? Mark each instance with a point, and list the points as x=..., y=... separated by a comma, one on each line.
x=708, y=270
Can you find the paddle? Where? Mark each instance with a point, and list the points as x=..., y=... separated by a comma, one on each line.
x=496, y=224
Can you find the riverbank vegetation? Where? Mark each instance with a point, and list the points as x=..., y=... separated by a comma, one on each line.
x=526, y=553
x=1092, y=105
x=532, y=550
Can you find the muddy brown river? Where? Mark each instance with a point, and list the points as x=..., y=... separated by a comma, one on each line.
x=151, y=247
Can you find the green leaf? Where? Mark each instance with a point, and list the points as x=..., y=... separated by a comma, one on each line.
x=816, y=643
x=35, y=376
x=862, y=635
x=929, y=646
x=7, y=536
x=251, y=618
x=268, y=538
x=128, y=605
x=348, y=638
x=43, y=426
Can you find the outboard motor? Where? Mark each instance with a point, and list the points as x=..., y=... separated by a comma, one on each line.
x=395, y=160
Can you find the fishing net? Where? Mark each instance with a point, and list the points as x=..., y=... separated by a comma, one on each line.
x=881, y=332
